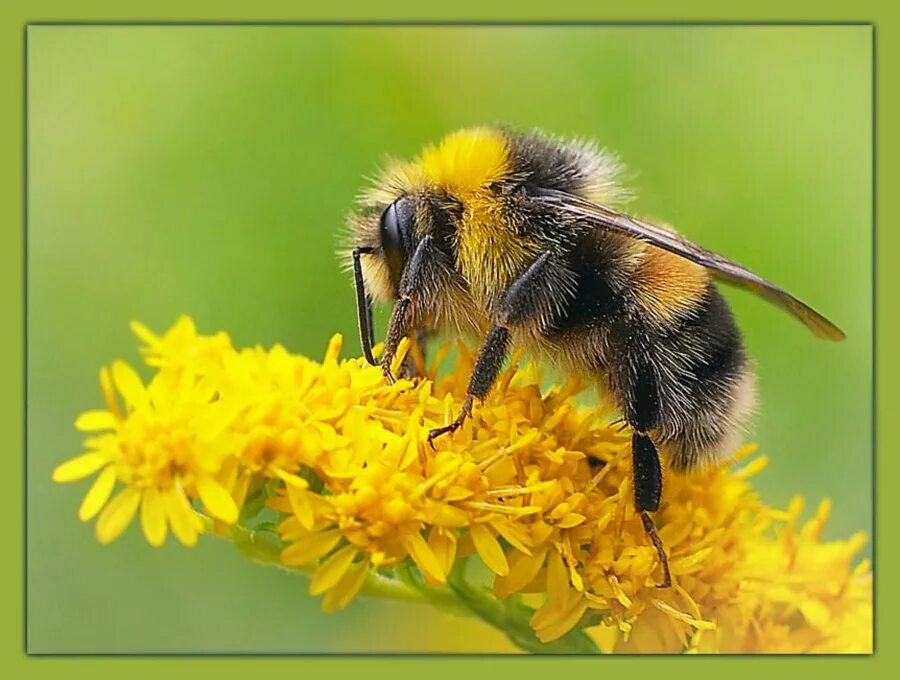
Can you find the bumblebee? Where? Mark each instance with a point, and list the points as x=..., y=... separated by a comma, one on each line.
x=519, y=238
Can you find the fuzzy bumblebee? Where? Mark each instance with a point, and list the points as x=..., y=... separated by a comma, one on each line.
x=515, y=238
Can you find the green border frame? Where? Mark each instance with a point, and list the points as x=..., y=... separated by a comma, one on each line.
x=887, y=214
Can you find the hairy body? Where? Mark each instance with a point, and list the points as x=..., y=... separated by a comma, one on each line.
x=647, y=324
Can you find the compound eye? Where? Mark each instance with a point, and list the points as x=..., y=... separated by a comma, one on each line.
x=390, y=232
x=397, y=228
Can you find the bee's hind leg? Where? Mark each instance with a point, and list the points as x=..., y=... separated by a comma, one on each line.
x=639, y=380
x=647, y=494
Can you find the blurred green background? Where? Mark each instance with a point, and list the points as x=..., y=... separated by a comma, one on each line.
x=207, y=171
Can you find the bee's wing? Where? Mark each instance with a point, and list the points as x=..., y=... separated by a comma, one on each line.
x=721, y=267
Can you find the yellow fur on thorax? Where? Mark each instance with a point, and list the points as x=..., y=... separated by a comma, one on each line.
x=465, y=164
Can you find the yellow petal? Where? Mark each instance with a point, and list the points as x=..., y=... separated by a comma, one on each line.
x=333, y=570
x=557, y=580
x=109, y=393
x=562, y=624
x=241, y=487
x=79, y=467
x=333, y=351
x=489, y=549
x=690, y=563
x=446, y=515
x=183, y=328
x=144, y=333
x=292, y=480
x=411, y=451
x=181, y=516
x=129, y=384
x=95, y=420
x=513, y=510
x=699, y=624
x=216, y=499
x=310, y=548
x=98, y=494
x=443, y=545
x=301, y=505
x=571, y=519
x=400, y=356
x=815, y=613
x=523, y=569
x=755, y=466
x=347, y=588
x=117, y=515
x=514, y=534
x=153, y=516
x=423, y=556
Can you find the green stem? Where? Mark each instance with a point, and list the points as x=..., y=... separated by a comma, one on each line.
x=512, y=617
x=263, y=548
x=459, y=597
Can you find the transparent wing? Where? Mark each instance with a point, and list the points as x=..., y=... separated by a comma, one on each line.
x=721, y=267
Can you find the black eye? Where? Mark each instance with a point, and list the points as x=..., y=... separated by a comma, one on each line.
x=397, y=228
x=390, y=231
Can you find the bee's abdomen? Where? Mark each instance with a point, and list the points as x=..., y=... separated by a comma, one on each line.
x=687, y=383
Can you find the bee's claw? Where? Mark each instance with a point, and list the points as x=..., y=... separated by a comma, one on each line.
x=388, y=376
x=452, y=427
x=446, y=429
x=650, y=528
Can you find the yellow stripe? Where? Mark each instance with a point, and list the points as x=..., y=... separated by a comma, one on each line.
x=466, y=162
x=666, y=285
x=488, y=252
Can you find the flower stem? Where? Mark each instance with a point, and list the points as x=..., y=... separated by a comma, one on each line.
x=512, y=617
x=263, y=548
x=460, y=598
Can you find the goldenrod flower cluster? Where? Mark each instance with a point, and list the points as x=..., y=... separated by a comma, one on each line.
x=534, y=485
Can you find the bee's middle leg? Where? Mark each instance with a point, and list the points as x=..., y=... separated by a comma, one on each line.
x=487, y=366
x=520, y=304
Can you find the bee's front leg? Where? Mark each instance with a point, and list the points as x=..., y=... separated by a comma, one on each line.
x=395, y=333
x=413, y=364
x=424, y=266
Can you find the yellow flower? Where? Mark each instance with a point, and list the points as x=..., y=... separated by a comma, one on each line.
x=534, y=485
x=168, y=446
x=182, y=347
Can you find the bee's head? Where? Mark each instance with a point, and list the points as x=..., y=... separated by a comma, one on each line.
x=426, y=196
x=389, y=225
x=386, y=234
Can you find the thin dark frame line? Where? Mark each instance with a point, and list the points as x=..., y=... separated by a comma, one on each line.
x=429, y=24
x=406, y=23
x=874, y=350
x=25, y=447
